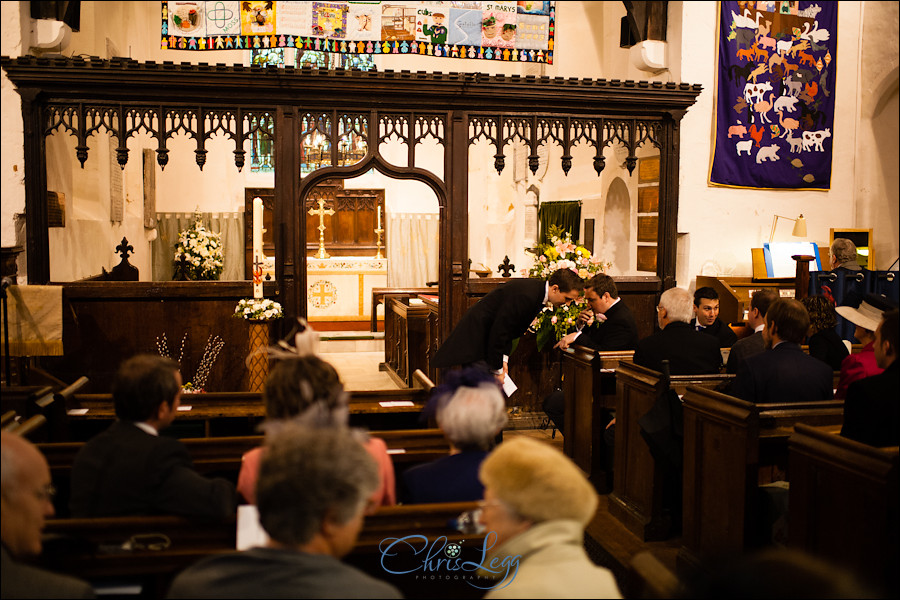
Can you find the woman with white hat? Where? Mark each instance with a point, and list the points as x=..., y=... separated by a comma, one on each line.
x=861, y=364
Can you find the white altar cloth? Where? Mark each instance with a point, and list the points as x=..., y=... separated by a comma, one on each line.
x=340, y=288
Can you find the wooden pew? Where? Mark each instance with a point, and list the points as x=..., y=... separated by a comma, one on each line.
x=589, y=388
x=844, y=504
x=151, y=550
x=726, y=441
x=379, y=294
x=637, y=498
x=221, y=456
x=375, y=408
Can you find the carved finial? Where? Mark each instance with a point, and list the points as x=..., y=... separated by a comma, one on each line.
x=499, y=162
x=506, y=268
x=125, y=249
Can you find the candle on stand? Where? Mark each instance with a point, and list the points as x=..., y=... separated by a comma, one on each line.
x=257, y=247
x=379, y=217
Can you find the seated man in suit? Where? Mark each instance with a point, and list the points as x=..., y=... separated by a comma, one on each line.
x=688, y=351
x=483, y=337
x=26, y=500
x=872, y=408
x=130, y=469
x=312, y=496
x=756, y=318
x=706, y=317
x=784, y=373
x=609, y=324
x=471, y=411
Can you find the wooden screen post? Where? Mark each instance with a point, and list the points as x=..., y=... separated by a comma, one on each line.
x=801, y=285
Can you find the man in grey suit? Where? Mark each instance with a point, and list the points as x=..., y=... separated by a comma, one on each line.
x=754, y=343
x=312, y=494
x=27, y=496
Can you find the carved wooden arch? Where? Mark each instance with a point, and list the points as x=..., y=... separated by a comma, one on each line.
x=388, y=125
x=123, y=96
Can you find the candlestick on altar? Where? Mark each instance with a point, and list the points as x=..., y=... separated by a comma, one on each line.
x=321, y=211
x=379, y=231
x=257, y=247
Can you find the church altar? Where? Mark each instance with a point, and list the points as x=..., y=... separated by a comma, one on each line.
x=340, y=288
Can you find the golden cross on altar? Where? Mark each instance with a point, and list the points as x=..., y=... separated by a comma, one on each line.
x=321, y=211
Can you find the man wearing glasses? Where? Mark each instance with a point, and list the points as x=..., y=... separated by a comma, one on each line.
x=27, y=501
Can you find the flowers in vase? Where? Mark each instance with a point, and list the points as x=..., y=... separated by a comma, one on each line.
x=561, y=252
x=198, y=253
x=258, y=309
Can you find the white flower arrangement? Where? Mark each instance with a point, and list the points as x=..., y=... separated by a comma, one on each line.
x=258, y=309
x=198, y=253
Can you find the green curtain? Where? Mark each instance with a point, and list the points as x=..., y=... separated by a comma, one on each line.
x=565, y=214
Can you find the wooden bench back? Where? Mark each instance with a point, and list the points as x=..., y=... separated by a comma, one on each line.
x=637, y=497
x=589, y=389
x=376, y=409
x=725, y=442
x=844, y=504
x=152, y=550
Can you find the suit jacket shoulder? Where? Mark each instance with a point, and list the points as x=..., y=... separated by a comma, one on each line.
x=689, y=352
x=783, y=374
x=872, y=411
x=743, y=349
x=488, y=328
x=25, y=581
x=126, y=471
x=617, y=332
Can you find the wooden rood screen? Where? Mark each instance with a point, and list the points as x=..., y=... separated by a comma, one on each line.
x=119, y=97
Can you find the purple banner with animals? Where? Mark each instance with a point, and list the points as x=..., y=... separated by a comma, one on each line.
x=775, y=95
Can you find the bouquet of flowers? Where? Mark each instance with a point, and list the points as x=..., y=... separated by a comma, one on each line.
x=258, y=309
x=552, y=324
x=198, y=253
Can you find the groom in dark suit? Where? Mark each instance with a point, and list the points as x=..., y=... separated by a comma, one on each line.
x=614, y=327
x=484, y=336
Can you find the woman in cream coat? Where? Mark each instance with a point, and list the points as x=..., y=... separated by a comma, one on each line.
x=537, y=503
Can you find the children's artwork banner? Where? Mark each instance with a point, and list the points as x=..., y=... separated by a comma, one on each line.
x=775, y=93
x=506, y=30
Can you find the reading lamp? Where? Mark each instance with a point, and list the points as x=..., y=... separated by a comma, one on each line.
x=799, y=226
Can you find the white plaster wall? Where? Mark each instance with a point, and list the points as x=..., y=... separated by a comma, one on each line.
x=877, y=173
x=864, y=183
x=12, y=159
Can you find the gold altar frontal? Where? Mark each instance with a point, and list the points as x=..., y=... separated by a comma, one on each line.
x=340, y=288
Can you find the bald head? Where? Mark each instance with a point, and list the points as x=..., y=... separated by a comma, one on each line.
x=26, y=494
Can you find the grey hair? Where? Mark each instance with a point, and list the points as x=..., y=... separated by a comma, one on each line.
x=843, y=249
x=307, y=474
x=473, y=416
x=679, y=304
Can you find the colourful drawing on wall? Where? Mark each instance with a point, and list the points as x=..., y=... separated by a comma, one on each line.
x=257, y=18
x=431, y=24
x=329, y=19
x=502, y=30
